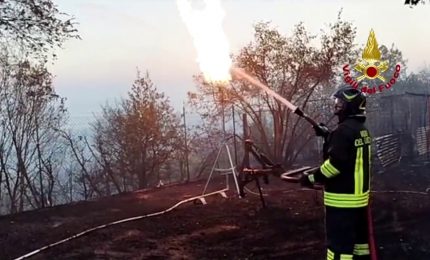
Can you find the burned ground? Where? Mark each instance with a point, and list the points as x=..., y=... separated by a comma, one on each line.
x=291, y=227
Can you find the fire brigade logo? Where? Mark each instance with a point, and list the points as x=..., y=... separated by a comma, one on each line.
x=370, y=67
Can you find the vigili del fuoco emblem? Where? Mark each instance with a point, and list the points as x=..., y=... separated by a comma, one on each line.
x=371, y=67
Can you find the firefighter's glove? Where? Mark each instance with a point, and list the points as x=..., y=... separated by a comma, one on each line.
x=321, y=130
x=307, y=180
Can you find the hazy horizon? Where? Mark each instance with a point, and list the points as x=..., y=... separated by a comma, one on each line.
x=120, y=36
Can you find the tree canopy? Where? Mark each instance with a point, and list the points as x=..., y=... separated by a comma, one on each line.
x=37, y=25
x=296, y=68
x=138, y=137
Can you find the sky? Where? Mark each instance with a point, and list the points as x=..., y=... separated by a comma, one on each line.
x=120, y=37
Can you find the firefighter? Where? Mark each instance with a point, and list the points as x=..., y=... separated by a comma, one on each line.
x=345, y=174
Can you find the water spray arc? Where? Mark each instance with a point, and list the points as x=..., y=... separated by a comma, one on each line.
x=241, y=74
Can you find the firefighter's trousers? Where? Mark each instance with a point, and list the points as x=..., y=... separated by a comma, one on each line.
x=347, y=233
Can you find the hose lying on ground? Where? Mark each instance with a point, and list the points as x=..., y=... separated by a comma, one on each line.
x=427, y=192
x=117, y=222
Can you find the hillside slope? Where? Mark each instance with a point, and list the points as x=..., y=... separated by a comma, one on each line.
x=291, y=227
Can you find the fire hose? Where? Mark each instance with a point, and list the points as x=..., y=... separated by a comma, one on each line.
x=294, y=176
x=86, y=232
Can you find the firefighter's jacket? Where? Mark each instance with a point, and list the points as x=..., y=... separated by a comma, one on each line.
x=346, y=169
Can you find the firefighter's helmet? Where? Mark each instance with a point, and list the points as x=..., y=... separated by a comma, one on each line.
x=349, y=102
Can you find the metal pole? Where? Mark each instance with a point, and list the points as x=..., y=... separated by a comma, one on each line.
x=223, y=111
x=186, y=145
x=232, y=170
x=234, y=134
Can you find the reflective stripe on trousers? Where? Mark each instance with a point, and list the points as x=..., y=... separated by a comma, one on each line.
x=332, y=256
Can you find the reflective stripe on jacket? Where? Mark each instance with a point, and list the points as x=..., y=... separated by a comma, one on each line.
x=347, y=165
